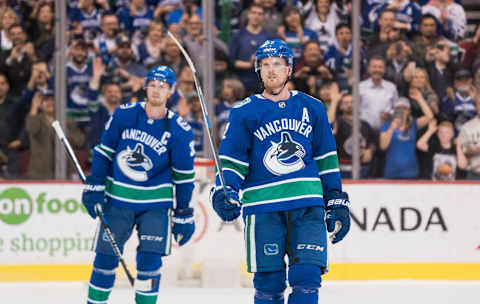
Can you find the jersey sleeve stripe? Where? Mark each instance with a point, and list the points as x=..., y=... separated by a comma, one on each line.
x=328, y=171
x=182, y=176
x=184, y=181
x=126, y=193
x=139, y=187
x=325, y=155
x=235, y=172
x=233, y=160
x=183, y=171
x=101, y=152
x=329, y=162
x=103, y=147
x=228, y=164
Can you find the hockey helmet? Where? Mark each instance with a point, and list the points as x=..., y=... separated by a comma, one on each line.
x=273, y=48
x=161, y=73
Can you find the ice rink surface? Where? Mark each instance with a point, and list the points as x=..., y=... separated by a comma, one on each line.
x=372, y=292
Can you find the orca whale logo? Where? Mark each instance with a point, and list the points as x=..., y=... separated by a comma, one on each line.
x=134, y=163
x=284, y=157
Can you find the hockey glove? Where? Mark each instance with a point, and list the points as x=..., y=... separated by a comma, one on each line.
x=183, y=225
x=338, y=215
x=93, y=193
x=227, y=208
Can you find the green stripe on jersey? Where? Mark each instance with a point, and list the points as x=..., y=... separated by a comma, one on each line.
x=105, y=150
x=130, y=193
x=327, y=163
x=239, y=168
x=182, y=176
x=285, y=190
x=98, y=295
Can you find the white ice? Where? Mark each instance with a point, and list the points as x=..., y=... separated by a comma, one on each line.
x=368, y=292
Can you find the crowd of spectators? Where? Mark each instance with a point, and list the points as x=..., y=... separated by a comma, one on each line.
x=419, y=99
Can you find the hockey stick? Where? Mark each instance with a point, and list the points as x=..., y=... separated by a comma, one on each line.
x=206, y=120
x=98, y=208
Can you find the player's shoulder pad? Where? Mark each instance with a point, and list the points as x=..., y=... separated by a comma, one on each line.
x=243, y=103
x=180, y=123
x=126, y=112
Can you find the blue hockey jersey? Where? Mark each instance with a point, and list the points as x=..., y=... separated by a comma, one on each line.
x=142, y=163
x=281, y=155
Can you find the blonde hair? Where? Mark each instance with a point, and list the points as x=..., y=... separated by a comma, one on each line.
x=428, y=85
x=11, y=12
x=236, y=86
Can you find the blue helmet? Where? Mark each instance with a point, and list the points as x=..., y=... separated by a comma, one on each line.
x=273, y=48
x=161, y=73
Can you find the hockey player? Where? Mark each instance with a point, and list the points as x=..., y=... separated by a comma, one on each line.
x=278, y=148
x=146, y=153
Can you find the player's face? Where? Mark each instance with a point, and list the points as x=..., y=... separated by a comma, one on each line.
x=158, y=92
x=274, y=72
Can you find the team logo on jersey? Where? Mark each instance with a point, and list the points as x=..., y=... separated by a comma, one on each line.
x=284, y=157
x=134, y=163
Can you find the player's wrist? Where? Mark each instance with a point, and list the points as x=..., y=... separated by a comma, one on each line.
x=183, y=212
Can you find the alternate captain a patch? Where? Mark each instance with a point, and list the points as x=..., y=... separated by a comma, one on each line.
x=134, y=163
x=285, y=156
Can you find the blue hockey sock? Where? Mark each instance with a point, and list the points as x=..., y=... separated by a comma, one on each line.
x=305, y=280
x=303, y=296
x=264, y=298
x=102, y=279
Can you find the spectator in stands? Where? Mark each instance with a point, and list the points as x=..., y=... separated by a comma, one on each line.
x=11, y=117
x=271, y=14
x=149, y=51
x=245, y=43
x=105, y=44
x=398, y=139
x=311, y=72
x=177, y=19
x=186, y=83
x=343, y=130
x=419, y=88
x=194, y=42
x=377, y=95
x=172, y=56
x=323, y=20
x=377, y=45
x=102, y=103
x=124, y=71
x=440, y=70
x=294, y=33
x=136, y=19
x=232, y=92
x=88, y=17
x=468, y=145
x=42, y=137
x=441, y=150
x=407, y=14
x=8, y=18
x=42, y=31
x=79, y=73
x=339, y=56
x=165, y=7
x=451, y=16
x=40, y=81
x=17, y=62
x=398, y=59
x=461, y=108
x=426, y=37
